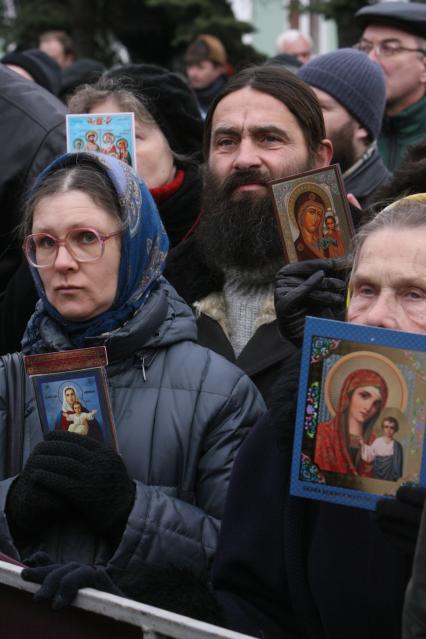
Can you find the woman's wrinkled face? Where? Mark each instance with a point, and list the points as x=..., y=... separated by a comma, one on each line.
x=155, y=162
x=78, y=290
x=365, y=403
x=388, y=286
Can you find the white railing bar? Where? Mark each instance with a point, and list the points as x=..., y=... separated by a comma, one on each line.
x=151, y=620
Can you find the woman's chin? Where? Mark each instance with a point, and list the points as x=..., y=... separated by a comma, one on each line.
x=73, y=313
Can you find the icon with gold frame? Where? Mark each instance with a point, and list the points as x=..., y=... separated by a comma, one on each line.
x=313, y=215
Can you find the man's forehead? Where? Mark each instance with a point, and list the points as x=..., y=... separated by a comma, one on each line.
x=248, y=107
x=381, y=32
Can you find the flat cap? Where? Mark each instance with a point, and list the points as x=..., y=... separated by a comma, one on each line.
x=406, y=16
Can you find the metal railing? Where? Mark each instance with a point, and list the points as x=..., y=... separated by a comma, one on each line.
x=154, y=623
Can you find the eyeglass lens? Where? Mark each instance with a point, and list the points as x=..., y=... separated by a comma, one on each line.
x=83, y=244
x=385, y=48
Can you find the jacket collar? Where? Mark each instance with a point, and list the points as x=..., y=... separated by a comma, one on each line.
x=213, y=305
x=407, y=122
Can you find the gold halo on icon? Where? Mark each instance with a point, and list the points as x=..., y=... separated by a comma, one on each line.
x=397, y=386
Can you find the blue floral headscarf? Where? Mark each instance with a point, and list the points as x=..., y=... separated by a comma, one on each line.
x=144, y=245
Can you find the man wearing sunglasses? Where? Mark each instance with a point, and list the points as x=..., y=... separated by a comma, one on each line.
x=394, y=35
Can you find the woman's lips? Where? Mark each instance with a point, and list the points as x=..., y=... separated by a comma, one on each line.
x=67, y=289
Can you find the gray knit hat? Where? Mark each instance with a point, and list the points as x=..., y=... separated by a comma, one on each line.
x=353, y=80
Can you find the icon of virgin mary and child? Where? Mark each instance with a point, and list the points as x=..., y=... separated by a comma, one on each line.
x=75, y=417
x=357, y=389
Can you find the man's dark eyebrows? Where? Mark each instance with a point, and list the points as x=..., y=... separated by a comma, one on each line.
x=225, y=130
x=270, y=128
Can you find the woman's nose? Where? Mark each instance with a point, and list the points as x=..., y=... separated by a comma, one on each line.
x=64, y=259
x=370, y=404
x=381, y=311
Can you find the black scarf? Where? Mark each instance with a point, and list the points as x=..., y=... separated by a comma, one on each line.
x=180, y=209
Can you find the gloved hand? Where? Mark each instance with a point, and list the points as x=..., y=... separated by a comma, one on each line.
x=164, y=587
x=31, y=508
x=87, y=477
x=61, y=582
x=399, y=518
x=311, y=287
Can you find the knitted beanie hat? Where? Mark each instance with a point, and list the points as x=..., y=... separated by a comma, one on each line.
x=205, y=47
x=170, y=101
x=353, y=80
x=41, y=67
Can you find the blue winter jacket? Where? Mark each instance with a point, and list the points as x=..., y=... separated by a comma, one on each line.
x=181, y=413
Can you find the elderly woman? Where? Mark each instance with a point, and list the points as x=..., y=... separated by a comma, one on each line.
x=292, y=567
x=96, y=248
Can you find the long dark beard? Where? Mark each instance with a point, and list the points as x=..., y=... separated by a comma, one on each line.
x=238, y=231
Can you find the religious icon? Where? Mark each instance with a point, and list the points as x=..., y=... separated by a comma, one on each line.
x=108, y=133
x=71, y=393
x=313, y=215
x=361, y=413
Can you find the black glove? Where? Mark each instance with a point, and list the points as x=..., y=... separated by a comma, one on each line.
x=61, y=582
x=31, y=508
x=164, y=587
x=399, y=518
x=311, y=287
x=88, y=477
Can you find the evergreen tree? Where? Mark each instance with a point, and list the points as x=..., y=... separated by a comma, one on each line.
x=342, y=12
x=155, y=31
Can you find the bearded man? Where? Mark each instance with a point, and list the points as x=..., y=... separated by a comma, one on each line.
x=266, y=124
x=351, y=90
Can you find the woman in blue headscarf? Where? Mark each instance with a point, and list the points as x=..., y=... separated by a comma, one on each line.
x=96, y=248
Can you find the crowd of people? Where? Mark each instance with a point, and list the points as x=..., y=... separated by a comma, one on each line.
x=178, y=270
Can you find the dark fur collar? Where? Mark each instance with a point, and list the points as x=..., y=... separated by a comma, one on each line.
x=187, y=271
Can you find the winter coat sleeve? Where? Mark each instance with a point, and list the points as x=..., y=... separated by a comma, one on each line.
x=165, y=530
x=17, y=304
x=414, y=613
x=249, y=567
x=52, y=144
x=7, y=544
